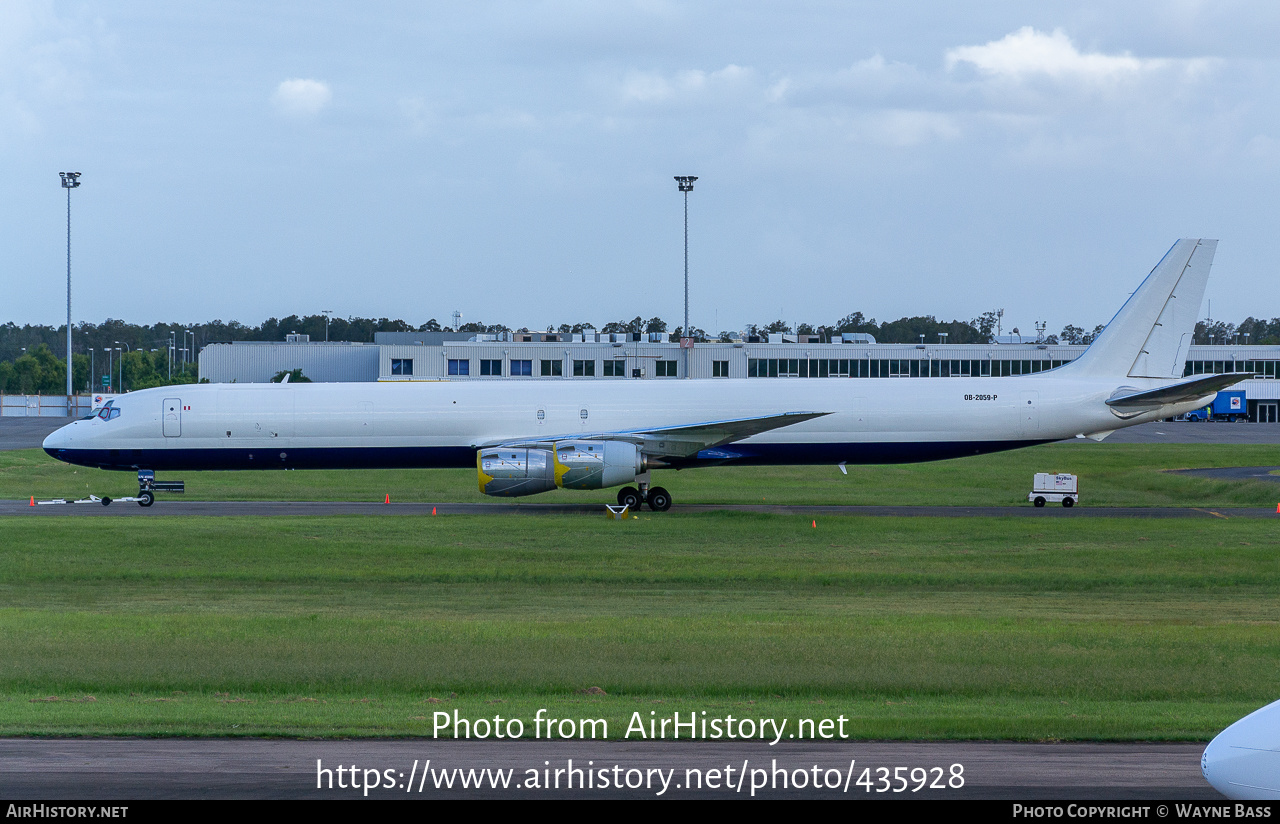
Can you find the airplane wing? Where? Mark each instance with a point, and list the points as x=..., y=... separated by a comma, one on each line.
x=677, y=441
x=1175, y=393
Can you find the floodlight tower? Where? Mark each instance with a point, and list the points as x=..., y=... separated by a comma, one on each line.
x=685, y=182
x=70, y=180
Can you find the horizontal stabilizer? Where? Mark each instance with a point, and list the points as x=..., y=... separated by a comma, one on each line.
x=1176, y=393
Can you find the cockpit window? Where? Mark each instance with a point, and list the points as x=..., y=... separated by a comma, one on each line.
x=108, y=412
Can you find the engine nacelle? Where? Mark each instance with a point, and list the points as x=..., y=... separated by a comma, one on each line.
x=596, y=464
x=510, y=473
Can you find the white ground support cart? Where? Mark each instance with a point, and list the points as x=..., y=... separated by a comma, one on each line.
x=1050, y=488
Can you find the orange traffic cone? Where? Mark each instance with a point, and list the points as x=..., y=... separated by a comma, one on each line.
x=433, y=510
x=1278, y=509
x=815, y=523
x=33, y=503
x=388, y=500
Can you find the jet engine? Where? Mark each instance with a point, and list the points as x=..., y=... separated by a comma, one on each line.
x=511, y=472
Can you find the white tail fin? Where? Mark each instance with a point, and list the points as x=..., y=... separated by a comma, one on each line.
x=1150, y=336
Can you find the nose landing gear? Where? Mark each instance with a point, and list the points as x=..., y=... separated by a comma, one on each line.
x=148, y=486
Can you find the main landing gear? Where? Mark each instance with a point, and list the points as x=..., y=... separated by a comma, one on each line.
x=658, y=499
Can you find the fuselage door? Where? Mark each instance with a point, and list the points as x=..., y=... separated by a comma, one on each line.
x=172, y=415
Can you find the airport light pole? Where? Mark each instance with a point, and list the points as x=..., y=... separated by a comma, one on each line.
x=685, y=184
x=70, y=180
x=127, y=349
x=326, y=313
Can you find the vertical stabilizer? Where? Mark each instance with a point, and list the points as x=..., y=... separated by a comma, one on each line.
x=1150, y=336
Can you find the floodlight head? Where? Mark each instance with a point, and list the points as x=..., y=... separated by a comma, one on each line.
x=685, y=182
x=70, y=180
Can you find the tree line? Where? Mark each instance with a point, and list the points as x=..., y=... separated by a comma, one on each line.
x=33, y=357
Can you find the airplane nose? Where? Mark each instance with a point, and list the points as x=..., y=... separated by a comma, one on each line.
x=1243, y=761
x=58, y=439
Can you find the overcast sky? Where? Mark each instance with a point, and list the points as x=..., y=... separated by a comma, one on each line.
x=514, y=160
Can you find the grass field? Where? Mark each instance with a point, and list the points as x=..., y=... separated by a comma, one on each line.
x=1110, y=475
x=911, y=628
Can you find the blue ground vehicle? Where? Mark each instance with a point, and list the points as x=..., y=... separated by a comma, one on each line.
x=1227, y=406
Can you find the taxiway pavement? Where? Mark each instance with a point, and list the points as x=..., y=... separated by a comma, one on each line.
x=103, y=769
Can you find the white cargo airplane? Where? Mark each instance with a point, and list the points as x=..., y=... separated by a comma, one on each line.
x=530, y=436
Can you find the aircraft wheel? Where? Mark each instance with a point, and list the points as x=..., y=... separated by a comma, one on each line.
x=1068, y=502
x=659, y=499
x=106, y=501
x=629, y=497
x=147, y=499
x=1040, y=501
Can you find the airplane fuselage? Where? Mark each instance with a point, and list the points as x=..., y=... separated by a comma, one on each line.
x=442, y=424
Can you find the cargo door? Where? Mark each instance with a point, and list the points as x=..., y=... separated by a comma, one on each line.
x=172, y=417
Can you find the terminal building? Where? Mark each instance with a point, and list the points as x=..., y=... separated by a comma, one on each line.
x=438, y=356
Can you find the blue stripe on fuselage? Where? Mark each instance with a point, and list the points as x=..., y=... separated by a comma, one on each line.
x=461, y=457
x=813, y=454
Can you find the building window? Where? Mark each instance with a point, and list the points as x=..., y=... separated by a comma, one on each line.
x=521, y=368
x=491, y=367
x=402, y=366
x=775, y=368
x=584, y=369
x=666, y=369
x=615, y=369
x=459, y=367
x=719, y=369
x=552, y=368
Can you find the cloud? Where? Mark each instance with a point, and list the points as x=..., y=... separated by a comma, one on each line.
x=301, y=98
x=651, y=87
x=48, y=61
x=910, y=128
x=1027, y=53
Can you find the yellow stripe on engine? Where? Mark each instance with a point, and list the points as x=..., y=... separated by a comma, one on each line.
x=484, y=479
x=560, y=469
